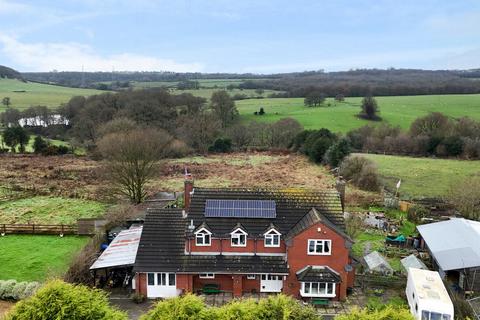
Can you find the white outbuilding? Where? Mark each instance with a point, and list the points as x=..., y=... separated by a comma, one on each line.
x=427, y=297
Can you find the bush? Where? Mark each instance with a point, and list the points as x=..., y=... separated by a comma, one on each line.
x=138, y=298
x=360, y=171
x=416, y=213
x=317, y=144
x=190, y=307
x=388, y=313
x=13, y=290
x=39, y=144
x=221, y=145
x=59, y=300
x=337, y=152
x=52, y=150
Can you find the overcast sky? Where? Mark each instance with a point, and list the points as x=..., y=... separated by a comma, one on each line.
x=239, y=35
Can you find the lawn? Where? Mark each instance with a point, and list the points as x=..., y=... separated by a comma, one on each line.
x=38, y=94
x=341, y=117
x=423, y=177
x=35, y=258
x=29, y=148
x=49, y=210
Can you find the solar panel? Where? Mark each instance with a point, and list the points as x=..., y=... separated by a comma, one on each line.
x=240, y=209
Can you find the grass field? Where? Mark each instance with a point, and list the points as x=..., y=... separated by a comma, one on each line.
x=340, y=117
x=29, y=148
x=204, y=83
x=423, y=177
x=35, y=258
x=38, y=94
x=207, y=92
x=49, y=210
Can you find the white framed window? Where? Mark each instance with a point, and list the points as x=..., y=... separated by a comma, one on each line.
x=317, y=289
x=319, y=247
x=203, y=237
x=272, y=238
x=239, y=238
x=206, y=275
x=251, y=277
x=161, y=279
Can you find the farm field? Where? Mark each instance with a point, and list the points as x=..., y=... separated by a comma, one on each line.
x=29, y=148
x=341, y=117
x=206, y=83
x=207, y=92
x=423, y=177
x=49, y=210
x=38, y=94
x=35, y=258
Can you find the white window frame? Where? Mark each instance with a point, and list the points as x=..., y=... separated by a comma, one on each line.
x=200, y=234
x=272, y=234
x=316, y=241
x=317, y=285
x=237, y=234
x=206, y=275
x=251, y=277
x=162, y=279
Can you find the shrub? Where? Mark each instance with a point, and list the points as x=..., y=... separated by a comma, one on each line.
x=6, y=289
x=59, y=300
x=284, y=307
x=337, y=152
x=221, y=145
x=416, y=213
x=13, y=290
x=453, y=146
x=188, y=307
x=138, y=298
x=317, y=144
x=39, y=144
x=19, y=290
x=360, y=171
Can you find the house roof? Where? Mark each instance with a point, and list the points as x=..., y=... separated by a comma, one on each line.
x=455, y=243
x=310, y=219
x=122, y=250
x=318, y=274
x=291, y=207
x=162, y=246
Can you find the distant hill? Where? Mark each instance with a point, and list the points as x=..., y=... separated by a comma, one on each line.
x=9, y=73
x=381, y=82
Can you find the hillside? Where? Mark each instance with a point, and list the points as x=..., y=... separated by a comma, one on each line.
x=341, y=117
x=9, y=73
x=25, y=94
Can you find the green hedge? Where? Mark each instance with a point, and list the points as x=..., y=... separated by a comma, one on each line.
x=191, y=307
x=13, y=290
x=59, y=300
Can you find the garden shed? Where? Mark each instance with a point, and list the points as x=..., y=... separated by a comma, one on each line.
x=413, y=262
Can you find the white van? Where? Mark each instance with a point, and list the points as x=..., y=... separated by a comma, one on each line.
x=427, y=297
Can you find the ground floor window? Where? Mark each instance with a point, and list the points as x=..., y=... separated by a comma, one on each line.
x=318, y=289
x=161, y=279
x=271, y=277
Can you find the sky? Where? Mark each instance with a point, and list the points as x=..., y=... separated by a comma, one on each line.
x=240, y=36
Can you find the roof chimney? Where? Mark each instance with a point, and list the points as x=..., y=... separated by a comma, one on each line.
x=188, y=190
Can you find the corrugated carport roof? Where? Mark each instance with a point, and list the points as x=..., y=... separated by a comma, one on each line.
x=122, y=251
x=455, y=244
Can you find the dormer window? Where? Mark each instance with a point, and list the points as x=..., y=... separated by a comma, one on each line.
x=272, y=238
x=203, y=237
x=239, y=238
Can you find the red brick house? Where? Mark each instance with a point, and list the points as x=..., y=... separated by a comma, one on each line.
x=243, y=240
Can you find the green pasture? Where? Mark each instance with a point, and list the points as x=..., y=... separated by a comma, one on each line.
x=37, y=257
x=26, y=94
x=423, y=177
x=341, y=117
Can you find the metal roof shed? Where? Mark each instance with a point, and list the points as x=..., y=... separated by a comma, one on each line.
x=121, y=252
x=454, y=244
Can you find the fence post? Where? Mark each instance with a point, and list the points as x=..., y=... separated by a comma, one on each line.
x=33, y=228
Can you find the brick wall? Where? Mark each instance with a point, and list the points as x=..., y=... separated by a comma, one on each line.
x=298, y=258
x=141, y=283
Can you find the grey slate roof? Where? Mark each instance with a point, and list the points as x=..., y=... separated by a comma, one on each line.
x=454, y=244
x=162, y=246
x=318, y=274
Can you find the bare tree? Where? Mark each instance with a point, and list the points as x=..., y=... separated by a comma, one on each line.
x=465, y=196
x=199, y=131
x=131, y=159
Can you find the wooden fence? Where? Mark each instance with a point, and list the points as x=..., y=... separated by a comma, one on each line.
x=37, y=229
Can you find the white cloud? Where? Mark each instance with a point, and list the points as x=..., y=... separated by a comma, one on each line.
x=72, y=56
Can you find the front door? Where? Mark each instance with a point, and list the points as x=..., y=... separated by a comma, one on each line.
x=271, y=283
x=161, y=285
